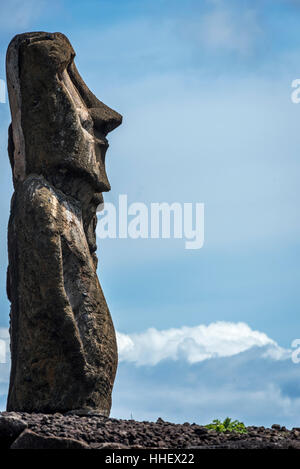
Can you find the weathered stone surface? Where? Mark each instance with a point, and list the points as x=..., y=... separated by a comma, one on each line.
x=63, y=345
x=10, y=428
x=30, y=440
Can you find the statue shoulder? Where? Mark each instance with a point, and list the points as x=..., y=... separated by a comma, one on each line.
x=37, y=202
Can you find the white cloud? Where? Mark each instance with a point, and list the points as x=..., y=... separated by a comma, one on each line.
x=4, y=344
x=4, y=365
x=4, y=333
x=195, y=344
x=4, y=354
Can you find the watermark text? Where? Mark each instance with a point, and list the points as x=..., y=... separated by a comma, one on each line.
x=159, y=220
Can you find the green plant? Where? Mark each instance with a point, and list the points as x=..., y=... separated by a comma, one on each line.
x=227, y=425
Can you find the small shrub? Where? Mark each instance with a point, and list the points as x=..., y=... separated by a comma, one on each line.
x=227, y=425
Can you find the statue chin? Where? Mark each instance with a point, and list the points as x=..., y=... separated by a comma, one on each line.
x=63, y=343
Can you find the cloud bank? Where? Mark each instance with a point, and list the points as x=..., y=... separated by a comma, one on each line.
x=195, y=344
x=199, y=373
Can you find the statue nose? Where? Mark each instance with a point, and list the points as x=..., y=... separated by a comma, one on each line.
x=105, y=119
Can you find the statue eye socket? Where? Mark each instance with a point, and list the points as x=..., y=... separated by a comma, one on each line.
x=87, y=124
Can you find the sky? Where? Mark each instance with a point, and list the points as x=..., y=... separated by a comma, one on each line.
x=205, y=93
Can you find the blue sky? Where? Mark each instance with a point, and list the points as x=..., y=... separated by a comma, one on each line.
x=205, y=91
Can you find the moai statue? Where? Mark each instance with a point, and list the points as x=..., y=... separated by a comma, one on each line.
x=63, y=344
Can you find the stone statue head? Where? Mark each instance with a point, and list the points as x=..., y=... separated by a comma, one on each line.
x=57, y=122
